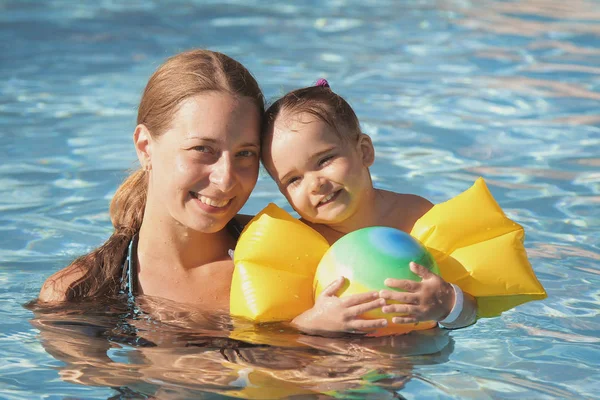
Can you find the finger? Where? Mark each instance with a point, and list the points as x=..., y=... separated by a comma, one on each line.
x=359, y=298
x=399, y=309
x=364, y=307
x=333, y=287
x=367, y=324
x=403, y=284
x=400, y=297
x=407, y=319
x=420, y=270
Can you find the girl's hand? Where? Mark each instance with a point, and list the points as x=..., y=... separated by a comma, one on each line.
x=431, y=299
x=333, y=314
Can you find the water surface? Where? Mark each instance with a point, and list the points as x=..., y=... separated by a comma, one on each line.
x=448, y=90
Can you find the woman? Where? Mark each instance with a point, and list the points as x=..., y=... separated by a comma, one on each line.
x=197, y=140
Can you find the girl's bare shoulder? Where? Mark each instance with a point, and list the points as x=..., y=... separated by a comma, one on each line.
x=403, y=210
x=419, y=205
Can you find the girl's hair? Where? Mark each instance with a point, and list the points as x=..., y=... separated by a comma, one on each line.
x=179, y=78
x=319, y=101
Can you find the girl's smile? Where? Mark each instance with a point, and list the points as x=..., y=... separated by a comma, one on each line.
x=323, y=175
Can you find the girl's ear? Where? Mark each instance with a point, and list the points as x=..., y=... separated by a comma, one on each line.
x=143, y=146
x=366, y=149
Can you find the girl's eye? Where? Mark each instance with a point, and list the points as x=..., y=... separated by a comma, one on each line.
x=325, y=160
x=292, y=181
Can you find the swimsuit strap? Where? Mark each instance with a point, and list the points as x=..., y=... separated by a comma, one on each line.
x=235, y=228
x=128, y=275
x=129, y=268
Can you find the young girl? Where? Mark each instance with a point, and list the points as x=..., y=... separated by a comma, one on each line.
x=314, y=149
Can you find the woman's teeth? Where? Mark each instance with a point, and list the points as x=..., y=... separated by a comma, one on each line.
x=213, y=203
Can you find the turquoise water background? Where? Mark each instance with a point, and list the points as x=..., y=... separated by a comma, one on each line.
x=448, y=90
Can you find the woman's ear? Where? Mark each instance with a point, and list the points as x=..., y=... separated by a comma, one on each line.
x=366, y=149
x=142, y=141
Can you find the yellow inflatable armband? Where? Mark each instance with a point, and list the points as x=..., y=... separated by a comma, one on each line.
x=481, y=250
x=475, y=245
x=275, y=261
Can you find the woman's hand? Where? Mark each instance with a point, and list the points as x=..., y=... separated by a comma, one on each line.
x=332, y=314
x=431, y=299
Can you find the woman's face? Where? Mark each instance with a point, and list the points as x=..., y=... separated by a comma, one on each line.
x=204, y=167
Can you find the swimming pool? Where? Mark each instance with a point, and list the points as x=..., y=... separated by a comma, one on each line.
x=449, y=91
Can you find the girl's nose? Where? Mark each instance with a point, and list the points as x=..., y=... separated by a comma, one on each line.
x=316, y=183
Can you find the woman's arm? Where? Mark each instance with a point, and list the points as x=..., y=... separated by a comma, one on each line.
x=55, y=288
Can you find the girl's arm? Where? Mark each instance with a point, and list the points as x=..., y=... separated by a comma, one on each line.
x=432, y=299
x=464, y=311
x=332, y=315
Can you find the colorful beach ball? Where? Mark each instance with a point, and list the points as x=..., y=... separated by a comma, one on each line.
x=366, y=258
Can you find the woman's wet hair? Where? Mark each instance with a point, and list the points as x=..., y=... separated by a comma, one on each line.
x=182, y=76
x=319, y=101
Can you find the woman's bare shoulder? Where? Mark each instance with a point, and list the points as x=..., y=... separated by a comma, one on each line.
x=55, y=287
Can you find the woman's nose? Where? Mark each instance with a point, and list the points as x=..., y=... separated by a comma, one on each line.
x=222, y=174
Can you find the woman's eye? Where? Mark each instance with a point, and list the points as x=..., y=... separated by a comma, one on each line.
x=246, y=153
x=202, y=149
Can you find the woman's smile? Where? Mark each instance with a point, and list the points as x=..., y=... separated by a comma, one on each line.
x=210, y=204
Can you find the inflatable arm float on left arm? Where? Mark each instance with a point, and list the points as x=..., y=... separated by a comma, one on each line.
x=478, y=248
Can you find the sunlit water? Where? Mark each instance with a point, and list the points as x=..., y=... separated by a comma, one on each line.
x=448, y=90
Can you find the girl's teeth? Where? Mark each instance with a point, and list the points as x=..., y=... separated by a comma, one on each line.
x=213, y=203
x=327, y=198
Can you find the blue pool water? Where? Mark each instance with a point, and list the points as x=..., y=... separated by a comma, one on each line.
x=448, y=90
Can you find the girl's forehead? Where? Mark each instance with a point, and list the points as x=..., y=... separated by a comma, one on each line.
x=289, y=118
x=304, y=125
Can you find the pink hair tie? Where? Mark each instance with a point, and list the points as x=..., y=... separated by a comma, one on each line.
x=322, y=82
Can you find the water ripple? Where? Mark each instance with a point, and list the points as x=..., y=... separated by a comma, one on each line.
x=449, y=91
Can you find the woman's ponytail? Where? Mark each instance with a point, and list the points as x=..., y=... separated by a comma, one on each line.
x=129, y=201
x=103, y=266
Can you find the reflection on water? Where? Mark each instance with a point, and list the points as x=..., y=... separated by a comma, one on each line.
x=166, y=350
x=449, y=90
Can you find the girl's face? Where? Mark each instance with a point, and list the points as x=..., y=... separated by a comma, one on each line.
x=203, y=169
x=322, y=176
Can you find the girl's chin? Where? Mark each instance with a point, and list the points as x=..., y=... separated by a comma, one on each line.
x=334, y=214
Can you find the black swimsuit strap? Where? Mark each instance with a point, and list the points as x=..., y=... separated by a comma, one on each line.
x=128, y=279
x=235, y=228
x=129, y=268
